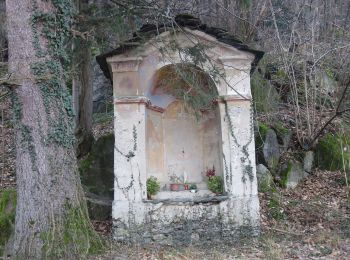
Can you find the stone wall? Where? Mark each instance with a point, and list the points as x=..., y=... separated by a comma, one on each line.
x=189, y=222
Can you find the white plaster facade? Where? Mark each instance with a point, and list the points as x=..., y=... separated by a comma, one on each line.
x=190, y=218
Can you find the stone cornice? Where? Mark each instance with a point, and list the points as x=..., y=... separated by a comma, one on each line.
x=236, y=62
x=155, y=108
x=138, y=100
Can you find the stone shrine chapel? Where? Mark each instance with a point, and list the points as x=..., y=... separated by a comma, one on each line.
x=156, y=135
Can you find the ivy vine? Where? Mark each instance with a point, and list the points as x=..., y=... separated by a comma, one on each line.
x=245, y=159
x=54, y=27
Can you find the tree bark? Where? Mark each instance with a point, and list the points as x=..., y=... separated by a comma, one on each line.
x=50, y=197
x=82, y=90
x=82, y=97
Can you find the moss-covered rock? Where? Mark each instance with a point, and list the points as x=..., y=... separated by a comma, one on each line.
x=333, y=153
x=291, y=174
x=284, y=135
x=265, y=178
x=96, y=170
x=260, y=135
x=271, y=150
x=97, y=177
x=7, y=215
x=265, y=96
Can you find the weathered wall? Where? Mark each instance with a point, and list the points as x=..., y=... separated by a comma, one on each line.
x=155, y=146
x=180, y=144
x=211, y=136
x=184, y=223
x=183, y=143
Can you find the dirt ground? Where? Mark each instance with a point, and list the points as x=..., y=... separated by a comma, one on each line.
x=309, y=222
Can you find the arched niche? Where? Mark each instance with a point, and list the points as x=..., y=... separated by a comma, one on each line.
x=183, y=139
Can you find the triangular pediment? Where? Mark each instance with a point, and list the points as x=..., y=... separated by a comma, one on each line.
x=217, y=43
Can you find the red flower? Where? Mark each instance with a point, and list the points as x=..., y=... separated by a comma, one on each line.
x=210, y=172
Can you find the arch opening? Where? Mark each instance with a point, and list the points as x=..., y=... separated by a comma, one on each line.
x=183, y=139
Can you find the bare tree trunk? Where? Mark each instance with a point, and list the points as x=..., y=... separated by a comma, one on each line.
x=82, y=90
x=82, y=96
x=51, y=212
x=3, y=40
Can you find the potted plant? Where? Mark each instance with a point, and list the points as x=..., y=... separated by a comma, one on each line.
x=153, y=186
x=215, y=183
x=177, y=183
x=193, y=188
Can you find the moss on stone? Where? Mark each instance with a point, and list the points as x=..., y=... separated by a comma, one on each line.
x=85, y=164
x=96, y=170
x=285, y=173
x=280, y=77
x=261, y=135
x=333, y=153
x=265, y=97
x=7, y=215
x=280, y=129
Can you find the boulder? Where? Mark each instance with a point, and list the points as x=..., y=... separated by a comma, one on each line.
x=284, y=136
x=271, y=150
x=97, y=177
x=308, y=161
x=99, y=207
x=333, y=153
x=260, y=131
x=102, y=90
x=292, y=173
x=265, y=178
x=97, y=169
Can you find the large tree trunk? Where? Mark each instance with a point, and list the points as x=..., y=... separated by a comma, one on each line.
x=3, y=51
x=51, y=212
x=82, y=97
x=82, y=90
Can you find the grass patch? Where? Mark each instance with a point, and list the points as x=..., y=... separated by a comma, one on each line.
x=274, y=205
x=8, y=199
x=272, y=250
x=261, y=135
x=265, y=96
x=333, y=153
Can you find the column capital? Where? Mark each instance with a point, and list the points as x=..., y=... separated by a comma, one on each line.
x=126, y=64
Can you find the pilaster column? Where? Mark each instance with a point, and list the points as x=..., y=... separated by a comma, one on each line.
x=130, y=148
x=238, y=148
x=130, y=139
